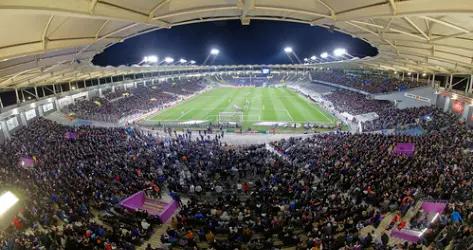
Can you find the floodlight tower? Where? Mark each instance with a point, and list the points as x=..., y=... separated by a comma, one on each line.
x=324, y=56
x=314, y=59
x=341, y=53
x=289, y=51
x=167, y=60
x=213, y=54
x=152, y=59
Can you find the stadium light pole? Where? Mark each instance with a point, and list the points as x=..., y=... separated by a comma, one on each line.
x=342, y=53
x=167, y=60
x=324, y=56
x=213, y=54
x=289, y=51
x=152, y=59
x=314, y=59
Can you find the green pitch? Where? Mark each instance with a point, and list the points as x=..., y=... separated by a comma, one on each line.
x=257, y=105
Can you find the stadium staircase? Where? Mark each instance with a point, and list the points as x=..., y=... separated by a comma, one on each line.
x=154, y=207
x=60, y=118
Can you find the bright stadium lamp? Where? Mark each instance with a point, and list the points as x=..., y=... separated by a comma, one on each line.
x=192, y=62
x=7, y=200
x=339, y=52
x=313, y=58
x=306, y=59
x=182, y=60
x=150, y=59
x=214, y=52
x=168, y=60
x=324, y=55
x=288, y=50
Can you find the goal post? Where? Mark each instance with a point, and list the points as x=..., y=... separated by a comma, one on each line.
x=230, y=118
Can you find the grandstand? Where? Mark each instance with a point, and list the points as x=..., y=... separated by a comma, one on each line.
x=336, y=152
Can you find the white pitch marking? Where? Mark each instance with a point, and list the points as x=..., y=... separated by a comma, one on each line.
x=290, y=116
x=183, y=114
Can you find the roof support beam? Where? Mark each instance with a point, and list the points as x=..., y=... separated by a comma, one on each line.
x=155, y=8
x=92, y=6
x=329, y=8
x=445, y=23
x=372, y=32
x=246, y=6
x=97, y=34
x=390, y=29
x=97, y=39
x=410, y=22
x=447, y=37
x=45, y=32
x=38, y=46
x=81, y=9
x=408, y=8
x=393, y=7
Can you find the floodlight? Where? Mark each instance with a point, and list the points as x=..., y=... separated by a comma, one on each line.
x=288, y=50
x=168, y=60
x=192, y=62
x=182, y=60
x=395, y=72
x=150, y=59
x=7, y=200
x=339, y=52
x=313, y=58
x=409, y=73
x=214, y=52
x=306, y=59
x=324, y=55
x=424, y=74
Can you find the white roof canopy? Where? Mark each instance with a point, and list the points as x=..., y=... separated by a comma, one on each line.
x=46, y=41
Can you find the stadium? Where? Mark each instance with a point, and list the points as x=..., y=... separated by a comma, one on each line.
x=304, y=124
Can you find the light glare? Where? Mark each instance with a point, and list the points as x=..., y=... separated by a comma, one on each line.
x=168, y=60
x=150, y=59
x=214, y=52
x=324, y=55
x=339, y=52
x=7, y=200
x=288, y=50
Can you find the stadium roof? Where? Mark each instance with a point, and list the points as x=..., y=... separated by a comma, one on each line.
x=54, y=40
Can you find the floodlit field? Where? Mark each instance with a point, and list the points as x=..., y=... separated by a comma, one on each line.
x=258, y=105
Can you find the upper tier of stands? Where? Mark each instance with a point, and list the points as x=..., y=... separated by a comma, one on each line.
x=390, y=117
x=257, y=80
x=124, y=102
x=370, y=83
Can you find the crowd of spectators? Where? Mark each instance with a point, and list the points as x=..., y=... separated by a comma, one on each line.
x=355, y=103
x=320, y=192
x=389, y=116
x=259, y=79
x=370, y=83
x=125, y=102
x=361, y=179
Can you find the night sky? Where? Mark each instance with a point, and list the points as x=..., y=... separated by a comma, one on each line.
x=261, y=42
